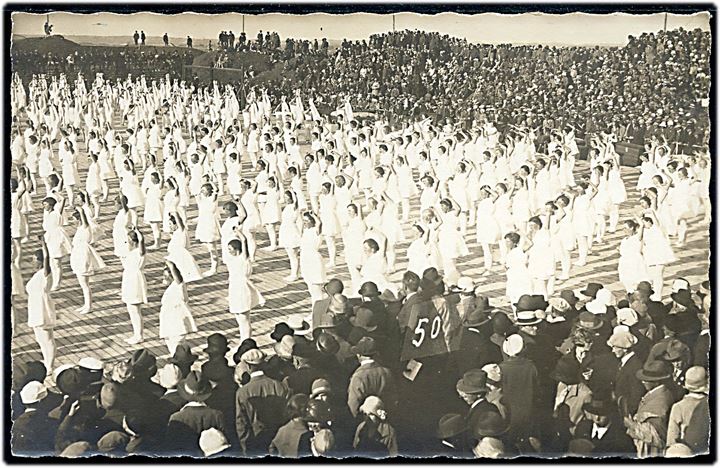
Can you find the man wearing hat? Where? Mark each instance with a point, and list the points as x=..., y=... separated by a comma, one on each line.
x=689, y=421
x=33, y=432
x=259, y=406
x=300, y=380
x=628, y=389
x=217, y=346
x=113, y=402
x=370, y=378
x=606, y=430
x=451, y=433
x=648, y=427
x=472, y=389
x=655, y=309
x=185, y=426
x=222, y=398
x=183, y=358
x=519, y=384
x=410, y=286
x=476, y=349
x=322, y=306
x=169, y=376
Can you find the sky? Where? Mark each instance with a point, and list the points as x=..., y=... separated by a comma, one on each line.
x=570, y=29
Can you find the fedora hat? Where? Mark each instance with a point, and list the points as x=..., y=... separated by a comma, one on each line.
x=304, y=349
x=24, y=372
x=683, y=297
x=281, y=329
x=318, y=411
x=369, y=289
x=567, y=371
x=246, y=345
x=70, y=382
x=477, y=318
x=489, y=424
x=591, y=290
x=320, y=387
x=570, y=297
x=338, y=304
x=482, y=303
x=645, y=287
x=298, y=324
x=599, y=407
x=654, y=371
x=450, y=425
x=364, y=318
x=501, y=323
x=681, y=323
x=183, y=356
x=696, y=379
x=671, y=350
x=143, y=362
x=431, y=281
x=528, y=318
x=327, y=344
x=472, y=382
x=334, y=286
x=589, y=321
x=217, y=345
x=531, y=302
x=365, y=347
x=284, y=348
x=195, y=387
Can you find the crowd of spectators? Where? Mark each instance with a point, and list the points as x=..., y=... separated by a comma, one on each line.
x=113, y=62
x=593, y=376
x=658, y=84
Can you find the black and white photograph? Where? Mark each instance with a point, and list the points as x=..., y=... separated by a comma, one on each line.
x=239, y=231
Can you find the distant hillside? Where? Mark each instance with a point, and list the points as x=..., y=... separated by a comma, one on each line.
x=63, y=46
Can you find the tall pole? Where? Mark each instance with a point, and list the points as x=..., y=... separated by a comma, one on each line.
x=393, y=22
x=665, y=25
x=243, y=23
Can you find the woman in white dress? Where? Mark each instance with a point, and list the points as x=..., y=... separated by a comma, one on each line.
x=520, y=205
x=270, y=211
x=601, y=203
x=207, y=227
x=329, y=220
x=583, y=219
x=56, y=239
x=93, y=185
x=130, y=186
x=632, y=268
x=248, y=200
x=253, y=144
x=418, y=252
x=45, y=162
x=656, y=251
x=153, y=213
x=541, y=261
x=430, y=196
x=170, y=203
x=374, y=267
x=68, y=162
x=518, y=280
x=488, y=229
x=134, y=287
x=353, y=235
x=106, y=168
x=183, y=186
x=234, y=174
x=84, y=259
x=296, y=186
x=312, y=265
x=41, y=307
x=450, y=240
x=176, y=320
x=18, y=220
x=406, y=185
x=125, y=218
x=178, y=249
x=25, y=181
x=344, y=189
x=682, y=199
x=704, y=174
x=290, y=228
x=243, y=296
x=618, y=193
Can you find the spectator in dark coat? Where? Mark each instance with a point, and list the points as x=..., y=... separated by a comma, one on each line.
x=605, y=429
x=628, y=390
x=476, y=349
x=185, y=426
x=259, y=407
x=33, y=432
x=293, y=439
x=370, y=378
x=519, y=385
